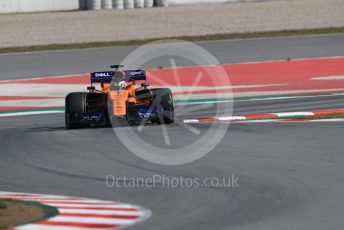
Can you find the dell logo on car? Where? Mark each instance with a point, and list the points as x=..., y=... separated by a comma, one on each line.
x=102, y=75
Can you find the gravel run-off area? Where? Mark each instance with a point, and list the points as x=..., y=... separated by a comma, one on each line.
x=203, y=19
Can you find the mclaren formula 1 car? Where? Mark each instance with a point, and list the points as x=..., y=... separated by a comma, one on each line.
x=119, y=101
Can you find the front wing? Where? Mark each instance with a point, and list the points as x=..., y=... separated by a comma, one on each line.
x=135, y=114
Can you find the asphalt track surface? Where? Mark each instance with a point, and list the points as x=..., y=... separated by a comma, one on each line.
x=56, y=63
x=290, y=174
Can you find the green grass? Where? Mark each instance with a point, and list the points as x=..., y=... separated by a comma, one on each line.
x=18, y=212
x=3, y=204
x=330, y=30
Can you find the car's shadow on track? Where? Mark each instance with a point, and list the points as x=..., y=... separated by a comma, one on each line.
x=51, y=129
x=63, y=128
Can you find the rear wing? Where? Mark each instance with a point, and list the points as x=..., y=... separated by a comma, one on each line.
x=106, y=76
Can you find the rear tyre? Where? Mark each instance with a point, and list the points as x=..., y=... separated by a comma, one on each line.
x=75, y=106
x=163, y=101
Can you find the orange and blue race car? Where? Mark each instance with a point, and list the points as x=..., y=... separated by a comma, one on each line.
x=119, y=101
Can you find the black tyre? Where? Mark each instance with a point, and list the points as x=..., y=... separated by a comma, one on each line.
x=75, y=106
x=163, y=100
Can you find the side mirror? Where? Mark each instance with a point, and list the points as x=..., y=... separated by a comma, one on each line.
x=91, y=88
x=145, y=85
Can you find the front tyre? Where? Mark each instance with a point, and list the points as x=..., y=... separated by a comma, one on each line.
x=163, y=101
x=75, y=106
